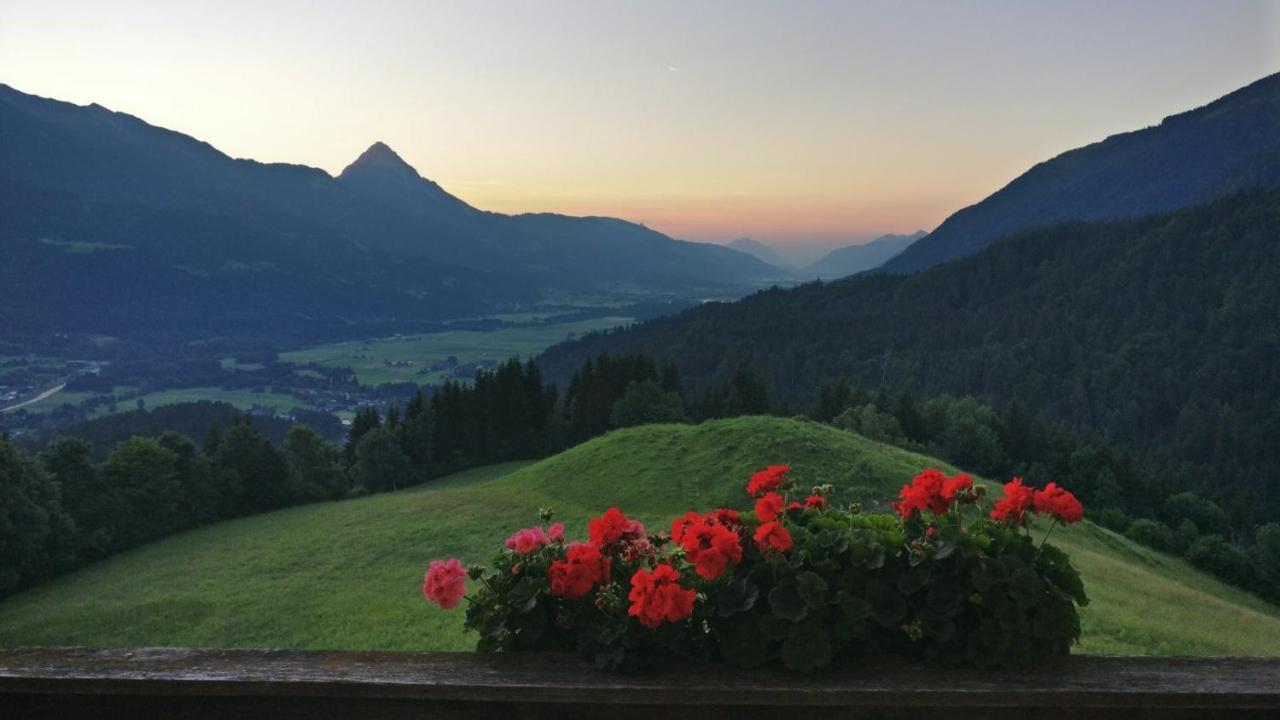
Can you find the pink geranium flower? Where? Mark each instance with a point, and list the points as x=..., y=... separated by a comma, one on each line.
x=527, y=540
x=444, y=584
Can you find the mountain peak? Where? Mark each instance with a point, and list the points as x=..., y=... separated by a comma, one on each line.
x=380, y=155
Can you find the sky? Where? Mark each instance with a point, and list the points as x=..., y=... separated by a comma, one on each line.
x=799, y=124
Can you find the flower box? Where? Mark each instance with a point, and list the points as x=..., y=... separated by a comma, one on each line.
x=796, y=580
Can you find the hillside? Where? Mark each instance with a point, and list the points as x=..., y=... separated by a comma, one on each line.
x=346, y=575
x=1160, y=332
x=1229, y=145
x=853, y=259
x=112, y=226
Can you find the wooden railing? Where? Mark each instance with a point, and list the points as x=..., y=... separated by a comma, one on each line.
x=83, y=683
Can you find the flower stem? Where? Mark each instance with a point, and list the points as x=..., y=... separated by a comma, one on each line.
x=1046, y=535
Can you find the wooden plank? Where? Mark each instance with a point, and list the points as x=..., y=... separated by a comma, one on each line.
x=280, y=683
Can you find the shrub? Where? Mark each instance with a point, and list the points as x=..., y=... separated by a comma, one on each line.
x=1152, y=533
x=795, y=580
x=1111, y=518
x=1216, y=556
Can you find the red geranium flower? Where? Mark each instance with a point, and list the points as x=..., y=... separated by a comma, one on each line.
x=768, y=507
x=956, y=485
x=930, y=490
x=681, y=524
x=771, y=536
x=1061, y=504
x=815, y=501
x=657, y=596
x=710, y=546
x=608, y=528
x=767, y=480
x=582, y=568
x=727, y=517
x=1012, y=508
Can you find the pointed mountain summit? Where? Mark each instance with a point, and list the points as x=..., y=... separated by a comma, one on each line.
x=381, y=175
x=381, y=156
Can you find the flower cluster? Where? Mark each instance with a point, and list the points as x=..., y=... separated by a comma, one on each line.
x=656, y=596
x=443, y=583
x=1019, y=500
x=708, y=542
x=933, y=491
x=767, y=480
x=530, y=539
x=796, y=579
x=582, y=568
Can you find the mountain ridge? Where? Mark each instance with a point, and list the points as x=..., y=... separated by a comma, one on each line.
x=853, y=259
x=1227, y=145
x=296, y=239
x=762, y=252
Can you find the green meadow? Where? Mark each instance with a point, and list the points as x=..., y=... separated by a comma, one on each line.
x=346, y=575
x=372, y=359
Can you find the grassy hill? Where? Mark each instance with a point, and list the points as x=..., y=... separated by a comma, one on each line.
x=346, y=575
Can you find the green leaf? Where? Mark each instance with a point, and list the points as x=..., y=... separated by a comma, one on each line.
x=888, y=606
x=528, y=627
x=806, y=647
x=865, y=550
x=1025, y=587
x=913, y=580
x=813, y=589
x=773, y=628
x=742, y=646
x=786, y=601
x=852, y=617
x=738, y=596
x=946, y=596
x=938, y=627
x=524, y=594
x=495, y=622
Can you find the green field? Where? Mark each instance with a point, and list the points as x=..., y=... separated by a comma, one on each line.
x=370, y=358
x=75, y=398
x=346, y=575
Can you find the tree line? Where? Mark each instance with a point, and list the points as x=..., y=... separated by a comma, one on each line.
x=1153, y=498
x=62, y=507
x=72, y=502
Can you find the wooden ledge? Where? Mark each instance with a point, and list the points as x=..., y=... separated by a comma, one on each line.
x=158, y=682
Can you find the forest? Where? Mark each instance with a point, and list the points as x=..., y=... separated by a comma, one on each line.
x=1158, y=332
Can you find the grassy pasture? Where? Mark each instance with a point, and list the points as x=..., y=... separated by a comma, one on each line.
x=370, y=358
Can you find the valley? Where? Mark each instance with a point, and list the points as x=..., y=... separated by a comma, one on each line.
x=334, y=378
x=277, y=336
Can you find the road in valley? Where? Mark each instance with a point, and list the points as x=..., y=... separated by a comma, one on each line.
x=47, y=393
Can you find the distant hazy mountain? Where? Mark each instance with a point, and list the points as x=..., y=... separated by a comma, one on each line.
x=854, y=259
x=111, y=225
x=1229, y=144
x=760, y=251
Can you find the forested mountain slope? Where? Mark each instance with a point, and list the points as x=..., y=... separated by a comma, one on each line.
x=1229, y=145
x=1161, y=331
